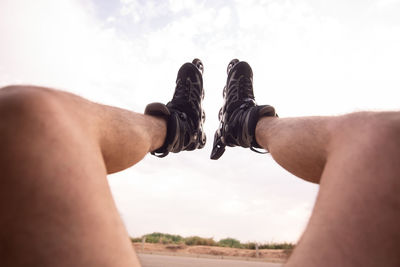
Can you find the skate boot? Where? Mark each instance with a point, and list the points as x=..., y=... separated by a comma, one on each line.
x=240, y=113
x=184, y=114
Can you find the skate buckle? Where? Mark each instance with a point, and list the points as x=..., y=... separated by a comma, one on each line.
x=218, y=146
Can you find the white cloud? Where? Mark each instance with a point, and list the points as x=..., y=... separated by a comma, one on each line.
x=386, y=3
x=57, y=44
x=223, y=18
x=181, y=5
x=143, y=10
x=111, y=19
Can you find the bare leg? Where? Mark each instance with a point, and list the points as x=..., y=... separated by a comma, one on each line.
x=356, y=160
x=56, y=208
x=300, y=145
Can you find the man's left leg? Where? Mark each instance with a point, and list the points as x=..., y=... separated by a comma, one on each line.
x=56, y=208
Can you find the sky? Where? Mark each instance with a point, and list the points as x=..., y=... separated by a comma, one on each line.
x=309, y=57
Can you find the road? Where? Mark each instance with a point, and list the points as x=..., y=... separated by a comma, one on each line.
x=150, y=260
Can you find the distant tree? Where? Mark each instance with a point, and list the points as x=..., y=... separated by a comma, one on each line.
x=163, y=238
x=199, y=241
x=230, y=242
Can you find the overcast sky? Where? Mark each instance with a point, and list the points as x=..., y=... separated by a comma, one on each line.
x=309, y=57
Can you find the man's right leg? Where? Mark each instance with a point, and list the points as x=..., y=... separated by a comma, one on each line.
x=56, y=208
x=356, y=160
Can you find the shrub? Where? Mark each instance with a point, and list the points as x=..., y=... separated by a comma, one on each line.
x=230, y=242
x=285, y=245
x=250, y=245
x=163, y=238
x=199, y=241
x=136, y=239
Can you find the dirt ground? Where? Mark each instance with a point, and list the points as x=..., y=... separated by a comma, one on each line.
x=270, y=255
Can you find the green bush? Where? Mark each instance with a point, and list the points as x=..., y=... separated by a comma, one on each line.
x=199, y=241
x=250, y=245
x=230, y=242
x=163, y=238
x=136, y=239
x=277, y=246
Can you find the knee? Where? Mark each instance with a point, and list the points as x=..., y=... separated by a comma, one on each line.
x=31, y=113
x=23, y=103
x=369, y=129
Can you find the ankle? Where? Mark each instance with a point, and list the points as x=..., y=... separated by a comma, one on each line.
x=263, y=129
x=158, y=130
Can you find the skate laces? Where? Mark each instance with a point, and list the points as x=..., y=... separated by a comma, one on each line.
x=181, y=91
x=185, y=93
x=240, y=95
x=245, y=88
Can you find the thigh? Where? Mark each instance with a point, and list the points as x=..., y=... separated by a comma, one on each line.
x=56, y=208
x=356, y=217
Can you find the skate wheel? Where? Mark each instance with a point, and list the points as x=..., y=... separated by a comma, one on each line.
x=220, y=115
x=231, y=64
x=203, y=117
x=197, y=62
x=203, y=140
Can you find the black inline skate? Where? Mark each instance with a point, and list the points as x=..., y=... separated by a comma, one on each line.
x=184, y=114
x=240, y=113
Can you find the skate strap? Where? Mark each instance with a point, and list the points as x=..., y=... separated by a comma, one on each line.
x=218, y=147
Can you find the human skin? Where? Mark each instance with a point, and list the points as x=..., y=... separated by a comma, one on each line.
x=356, y=160
x=56, y=207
